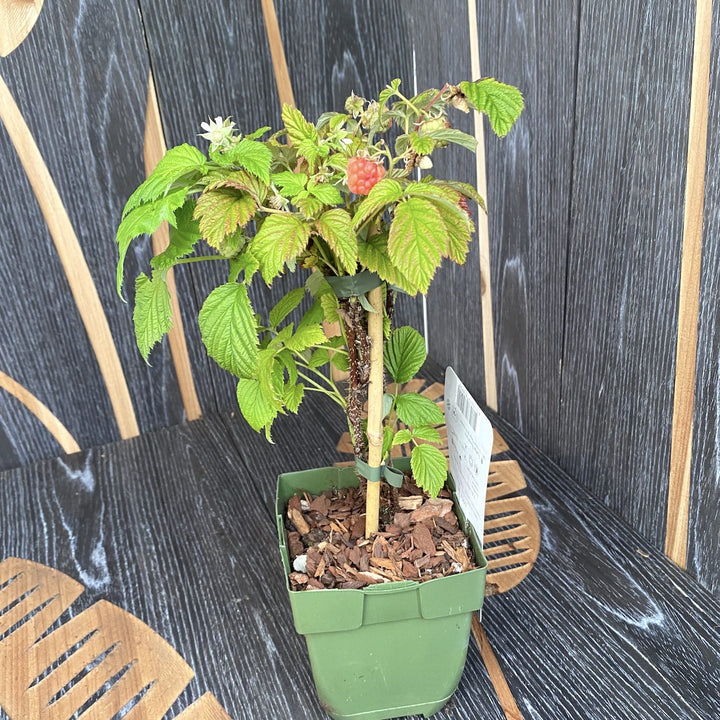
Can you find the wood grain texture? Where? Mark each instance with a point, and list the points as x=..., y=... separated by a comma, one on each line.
x=76, y=79
x=605, y=624
x=624, y=254
x=529, y=176
x=17, y=18
x=676, y=537
x=53, y=425
x=483, y=226
x=454, y=309
x=703, y=558
x=73, y=262
x=336, y=47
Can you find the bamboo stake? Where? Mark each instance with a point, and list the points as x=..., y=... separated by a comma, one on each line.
x=375, y=405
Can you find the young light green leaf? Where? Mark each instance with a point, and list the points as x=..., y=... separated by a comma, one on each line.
x=313, y=315
x=298, y=128
x=459, y=233
x=280, y=238
x=285, y=306
x=221, y=212
x=501, y=103
x=182, y=238
x=417, y=241
x=326, y=193
x=289, y=182
x=335, y=226
x=404, y=354
x=239, y=180
x=454, y=136
x=257, y=133
x=422, y=145
x=388, y=435
x=414, y=409
x=426, y=433
x=270, y=375
x=429, y=468
x=373, y=254
x=286, y=357
x=330, y=305
x=245, y=263
x=390, y=90
x=254, y=156
x=305, y=337
x=320, y=357
x=228, y=329
x=182, y=163
x=402, y=437
x=256, y=408
x=146, y=218
x=294, y=395
x=384, y=193
x=309, y=206
x=464, y=189
x=152, y=315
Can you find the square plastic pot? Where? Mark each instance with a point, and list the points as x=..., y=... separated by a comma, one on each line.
x=391, y=649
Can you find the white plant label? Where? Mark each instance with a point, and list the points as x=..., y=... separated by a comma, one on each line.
x=470, y=441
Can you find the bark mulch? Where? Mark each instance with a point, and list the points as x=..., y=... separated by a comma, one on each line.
x=421, y=539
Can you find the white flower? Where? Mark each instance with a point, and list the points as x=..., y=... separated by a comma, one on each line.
x=219, y=132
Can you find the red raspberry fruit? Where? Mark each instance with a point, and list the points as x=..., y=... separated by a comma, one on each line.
x=363, y=174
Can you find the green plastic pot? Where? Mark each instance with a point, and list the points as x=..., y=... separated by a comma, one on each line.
x=388, y=650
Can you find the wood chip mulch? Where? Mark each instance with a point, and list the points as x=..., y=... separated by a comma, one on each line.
x=421, y=539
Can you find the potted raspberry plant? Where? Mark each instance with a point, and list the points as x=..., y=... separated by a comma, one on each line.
x=342, y=197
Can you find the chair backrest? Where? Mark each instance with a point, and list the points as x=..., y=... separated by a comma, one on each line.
x=99, y=663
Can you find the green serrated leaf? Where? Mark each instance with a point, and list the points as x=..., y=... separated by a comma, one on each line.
x=285, y=306
x=422, y=145
x=221, y=212
x=182, y=165
x=465, y=189
x=454, y=136
x=330, y=305
x=320, y=357
x=388, y=91
x=281, y=238
x=309, y=206
x=182, y=238
x=257, y=133
x=256, y=408
x=294, y=395
x=404, y=354
x=254, y=156
x=459, y=233
x=246, y=263
x=373, y=255
x=402, y=437
x=228, y=329
x=270, y=375
x=152, y=315
x=388, y=402
x=306, y=336
x=286, y=357
x=340, y=361
x=501, y=103
x=336, y=228
x=388, y=436
x=384, y=193
x=239, y=180
x=429, y=468
x=146, y=218
x=426, y=433
x=417, y=241
x=325, y=192
x=414, y=409
x=298, y=128
x=313, y=315
x=289, y=182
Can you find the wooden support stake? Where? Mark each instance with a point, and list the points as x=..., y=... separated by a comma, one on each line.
x=375, y=405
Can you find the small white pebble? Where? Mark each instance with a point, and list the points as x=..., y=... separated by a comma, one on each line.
x=304, y=505
x=457, y=567
x=300, y=563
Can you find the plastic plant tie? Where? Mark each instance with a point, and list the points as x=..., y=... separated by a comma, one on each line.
x=373, y=474
x=354, y=285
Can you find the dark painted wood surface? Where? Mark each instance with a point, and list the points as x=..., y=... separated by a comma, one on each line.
x=80, y=80
x=704, y=520
x=442, y=54
x=175, y=527
x=529, y=176
x=624, y=255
